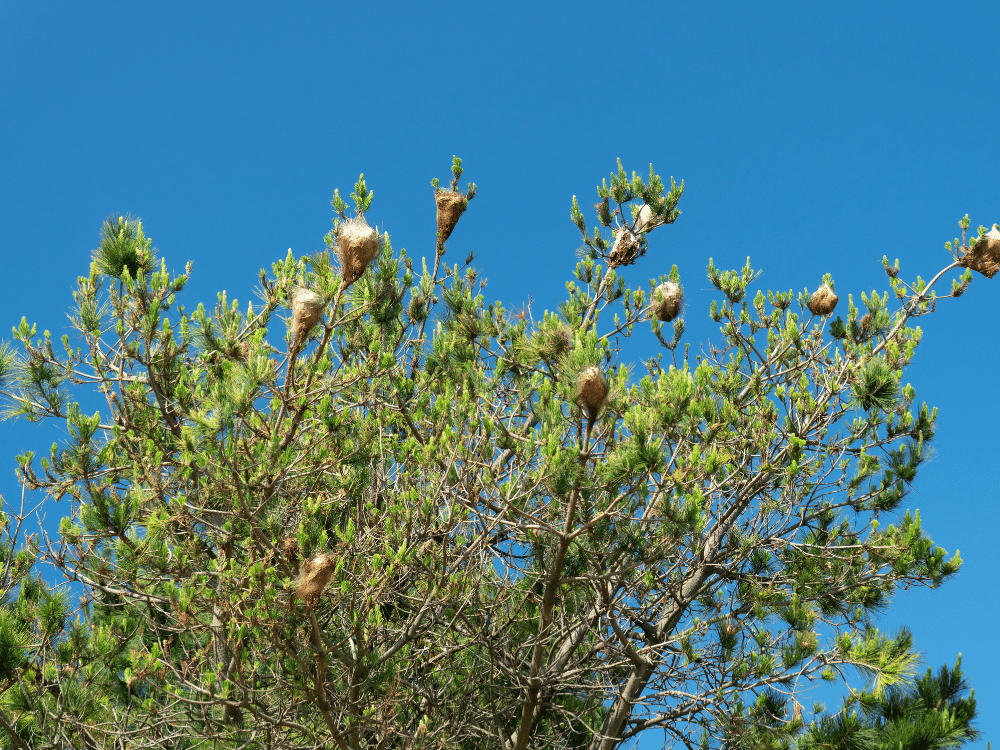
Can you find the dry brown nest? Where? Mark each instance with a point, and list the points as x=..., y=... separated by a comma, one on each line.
x=316, y=572
x=822, y=301
x=450, y=207
x=307, y=309
x=357, y=245
x=626, y=249
x=984, y=255
x=591, y=391
x=667, y=301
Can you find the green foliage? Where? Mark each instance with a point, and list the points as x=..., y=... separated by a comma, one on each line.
x=875, y=386
x=49, y=690
x=13, y=644
x=124, y=252
x=929, y=713
x=420, y=519
x=7, y=364
x=361, y=196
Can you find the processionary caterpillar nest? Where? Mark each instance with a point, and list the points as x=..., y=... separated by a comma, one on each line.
x=984, y=255
x=625, y=251
x=667, y=301
x=307, y=309
x=357, y=245
x=646, y=220
x=450, y=207
x=316, y=571
x=592, y=391
x=823, y=301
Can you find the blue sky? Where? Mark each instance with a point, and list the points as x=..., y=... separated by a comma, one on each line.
x=812, y=137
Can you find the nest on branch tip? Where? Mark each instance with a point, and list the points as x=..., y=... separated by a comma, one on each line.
x=450, y=207
x=667, y=300
x=307, y=309
x=823, y=301
x=316, y=571
x=591, y=391
x=984, y=255
x=357, y=245
x=646, y=220
x=626, y=249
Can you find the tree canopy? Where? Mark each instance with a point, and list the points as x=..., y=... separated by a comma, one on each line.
x=929, y=713
x=371, y=510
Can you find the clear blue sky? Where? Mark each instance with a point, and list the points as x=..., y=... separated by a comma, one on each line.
x=813, y=137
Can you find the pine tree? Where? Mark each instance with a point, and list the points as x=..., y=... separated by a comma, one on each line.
x=50, y=690
x=372, y=510
x=929, y=713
